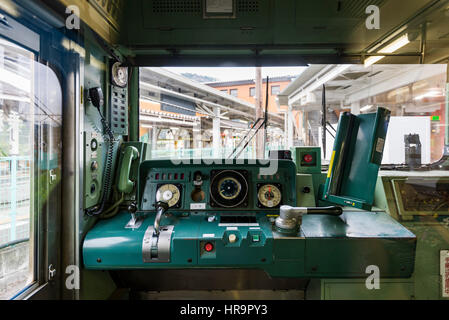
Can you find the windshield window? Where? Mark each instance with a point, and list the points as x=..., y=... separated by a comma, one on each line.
x=211, y=112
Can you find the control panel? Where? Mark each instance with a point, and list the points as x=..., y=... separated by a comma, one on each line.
x=230, y=215
x=93, y=167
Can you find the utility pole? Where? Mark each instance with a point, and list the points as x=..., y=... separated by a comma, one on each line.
x=260, y=137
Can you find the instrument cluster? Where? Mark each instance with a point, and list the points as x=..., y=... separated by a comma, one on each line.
x=224, y=187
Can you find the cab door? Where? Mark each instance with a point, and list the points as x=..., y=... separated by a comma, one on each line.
x=31, y=100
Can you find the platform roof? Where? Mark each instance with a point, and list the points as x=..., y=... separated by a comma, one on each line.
x=160, y=80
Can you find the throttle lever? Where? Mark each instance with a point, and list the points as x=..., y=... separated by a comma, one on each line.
x=161, y=208
x=330, y=211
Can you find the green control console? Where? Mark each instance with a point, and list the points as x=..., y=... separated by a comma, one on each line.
x=219, y=214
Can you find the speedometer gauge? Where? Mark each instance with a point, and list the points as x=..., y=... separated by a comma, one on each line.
x=269, y=195
x=228, y=188
x=168, y=193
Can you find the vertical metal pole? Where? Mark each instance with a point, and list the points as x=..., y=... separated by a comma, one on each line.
x=70, y=169
x=13, y=197
x=290, y=120
x=446, y=111
x=423, y=42
x=323, y=121
x=216, y=137
x=259, y=114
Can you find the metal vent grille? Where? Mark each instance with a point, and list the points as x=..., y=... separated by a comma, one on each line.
x=119, y=111
x=176, y=6
x=248, y=5
x=356, y=8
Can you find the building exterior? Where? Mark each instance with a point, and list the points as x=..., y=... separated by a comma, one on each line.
x=246, y=90
x=185, y=116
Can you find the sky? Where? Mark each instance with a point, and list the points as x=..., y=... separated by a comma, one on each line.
x=237, y=73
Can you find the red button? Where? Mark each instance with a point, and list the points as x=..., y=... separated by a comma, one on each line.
x=308, y=158
x=208, y=247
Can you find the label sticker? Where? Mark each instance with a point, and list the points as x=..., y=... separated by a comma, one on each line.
x=380, y=145
x=238, y=224
x=197, y=206
x=232, y=228
x=209, y=235
x=219, y=6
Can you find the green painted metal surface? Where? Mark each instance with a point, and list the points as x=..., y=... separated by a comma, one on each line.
x=432, y=233
x=325, y=247
x=307, y=159
x=356, y=159
x=305, y=190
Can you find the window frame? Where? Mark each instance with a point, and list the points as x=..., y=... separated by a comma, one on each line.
x=45, y=220
x=251, y=93
x=278, y=87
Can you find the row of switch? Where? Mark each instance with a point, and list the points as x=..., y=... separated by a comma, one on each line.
x=169, y=176
x=232, y=238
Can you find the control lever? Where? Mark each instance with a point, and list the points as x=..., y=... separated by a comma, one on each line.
x=161, y=208
x=290, y=218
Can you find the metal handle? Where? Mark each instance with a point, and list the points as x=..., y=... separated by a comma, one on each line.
x=290, y=218
x=161, y=207
x=331, y=211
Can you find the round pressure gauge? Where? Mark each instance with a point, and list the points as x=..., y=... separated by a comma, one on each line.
x=168, y=193
x=119, y=75
x=269, y=195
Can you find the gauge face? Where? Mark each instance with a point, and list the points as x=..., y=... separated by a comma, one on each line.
x=269, y=195
x=228, y=188
x=119, y=75
x=168, y=193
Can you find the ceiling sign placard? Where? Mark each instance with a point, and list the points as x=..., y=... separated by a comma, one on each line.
x=219, y=9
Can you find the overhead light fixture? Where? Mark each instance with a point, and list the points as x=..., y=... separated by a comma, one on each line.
x=327, y=77
x=392, y=47
x=430, y=94
x=320, y=81
x=366, y=108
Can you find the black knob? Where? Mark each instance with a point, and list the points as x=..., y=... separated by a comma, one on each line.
x=132, y=208
x=94, y=165
x=306, y=190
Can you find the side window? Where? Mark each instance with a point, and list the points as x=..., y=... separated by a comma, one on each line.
x=275, y=90
x=30, y=123
x=252, y=92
